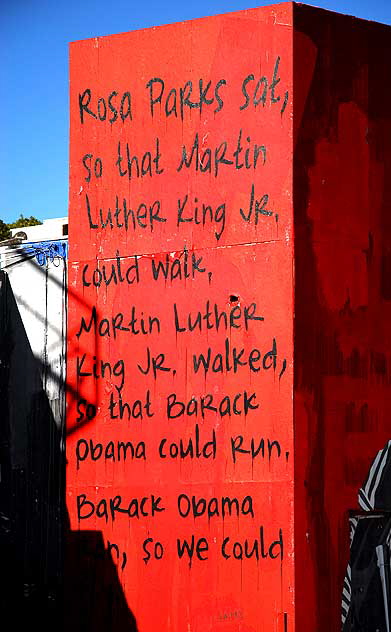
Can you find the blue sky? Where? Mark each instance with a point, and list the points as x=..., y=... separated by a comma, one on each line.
x=34, y=37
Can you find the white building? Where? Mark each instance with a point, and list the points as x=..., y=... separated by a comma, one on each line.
x=50, y=229
x=36, y=269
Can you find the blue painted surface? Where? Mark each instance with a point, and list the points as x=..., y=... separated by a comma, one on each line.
x=45, y=251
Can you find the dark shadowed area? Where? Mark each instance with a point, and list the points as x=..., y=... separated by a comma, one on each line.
x=38, y=589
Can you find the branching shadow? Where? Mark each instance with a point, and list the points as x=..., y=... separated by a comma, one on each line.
x=36, y=543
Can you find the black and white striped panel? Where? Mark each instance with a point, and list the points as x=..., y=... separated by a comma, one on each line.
x=346, y=595
x=347, y=583
x=367, y=493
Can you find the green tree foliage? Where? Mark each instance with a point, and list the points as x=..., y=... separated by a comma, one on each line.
x=5, y=232
x=24, y=221
x=5, y=229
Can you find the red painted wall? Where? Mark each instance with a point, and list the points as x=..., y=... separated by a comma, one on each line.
x=342, y=289
x=221, y=229
x=274, y=238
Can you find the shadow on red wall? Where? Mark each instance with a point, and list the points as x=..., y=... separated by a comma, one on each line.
x=35, y=541
x=342, y=196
